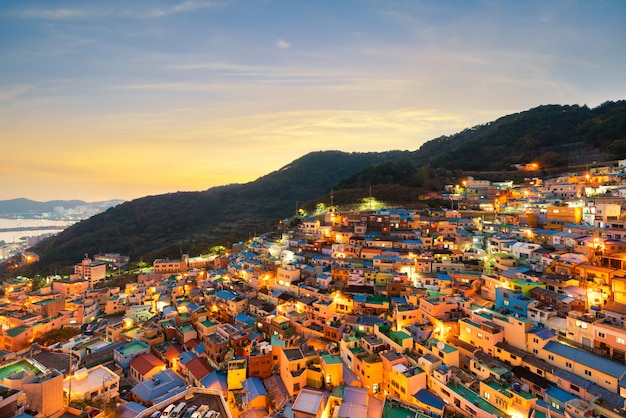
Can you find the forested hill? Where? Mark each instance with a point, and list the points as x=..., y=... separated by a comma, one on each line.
x=555, y=137
x=192, y=222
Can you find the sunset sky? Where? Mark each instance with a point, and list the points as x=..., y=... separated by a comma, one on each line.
x=123, y=99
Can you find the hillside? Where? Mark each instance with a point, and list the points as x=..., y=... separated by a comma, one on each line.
x=555, y=137
x=165, y=225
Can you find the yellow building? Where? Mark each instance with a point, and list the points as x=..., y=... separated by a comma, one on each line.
x=405, y=381
x=484, y=335
x=332, y=369
x=16, y=338
x=369, y=369
x=599, y=370
x=565, y=213
x=236, y=373
x=512, y=400
x=293, y=365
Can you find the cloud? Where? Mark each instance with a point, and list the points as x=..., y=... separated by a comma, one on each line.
x=185, y=6
x=11, y=92
x=50, y=14
x=137, y=11
x=282, y=44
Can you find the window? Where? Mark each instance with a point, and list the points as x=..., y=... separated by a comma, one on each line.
x=487, y=395
x=468, y=330
x=601, y=335
x=479, y=335
x=588, y=372
x=536, y=340
x=574, y=388
x=505, y=302
x=535, y=351
x=620, y=340
x=568, y=364
x=550, y=357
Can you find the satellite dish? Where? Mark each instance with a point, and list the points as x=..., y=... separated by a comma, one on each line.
x=441, y=345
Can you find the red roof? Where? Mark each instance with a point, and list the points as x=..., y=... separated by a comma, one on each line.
x=173, y=351
x=199, y=367
x=146, y=362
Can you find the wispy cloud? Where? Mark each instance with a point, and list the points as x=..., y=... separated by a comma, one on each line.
x=11, y=92
x=50, y=14
x=138, y=10
x=282, y=44
x=185, y=6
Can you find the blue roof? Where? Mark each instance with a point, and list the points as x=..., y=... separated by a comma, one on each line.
x=552, y=409
x=193, y=306
x=428, y=398
x=215, y=380
x=149, y=390
x=543, y=333
x=359, y=298
x=133, y=406
x=167, y=310
x=592, y=361
x=199, y=349
x=175, y=391
x=443, y=276
x=186, y=356
x=226, y=294
x=254, y=388
x=560, y=394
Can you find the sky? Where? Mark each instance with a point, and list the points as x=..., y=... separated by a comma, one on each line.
x=123, y=99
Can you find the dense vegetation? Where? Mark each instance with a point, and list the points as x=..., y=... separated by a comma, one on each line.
x=193, y=222
x=166, y=225
x=554, y=136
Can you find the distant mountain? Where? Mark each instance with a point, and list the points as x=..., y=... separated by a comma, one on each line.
x=166, y=225
x=27, y=207
x=22, y=206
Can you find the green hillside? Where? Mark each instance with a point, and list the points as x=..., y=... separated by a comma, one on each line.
x=193, y=222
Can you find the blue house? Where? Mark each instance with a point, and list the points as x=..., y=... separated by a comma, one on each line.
x=514, y=302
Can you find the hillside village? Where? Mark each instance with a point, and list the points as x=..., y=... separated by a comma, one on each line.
x=510, y=304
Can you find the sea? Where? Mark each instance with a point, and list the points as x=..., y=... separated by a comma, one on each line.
x=20, y=236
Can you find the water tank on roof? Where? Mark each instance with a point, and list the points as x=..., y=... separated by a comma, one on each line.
x=517, y=387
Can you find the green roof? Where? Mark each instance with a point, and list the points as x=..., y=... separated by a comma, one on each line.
x=476, y=400
x=186, y=328
x=398, y=336
x=19, y=366
x=133, y=347
x=14, y=332
x=208, y=323
x=330, y=359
